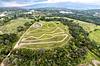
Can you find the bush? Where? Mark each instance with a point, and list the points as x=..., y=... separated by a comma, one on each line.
x=20, y=28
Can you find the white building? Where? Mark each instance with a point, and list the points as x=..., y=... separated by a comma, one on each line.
x=65, y=12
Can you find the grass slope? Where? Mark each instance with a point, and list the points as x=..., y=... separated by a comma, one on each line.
x=49, y=35
x=90, y=28
x=11, y=27
x=95, y=35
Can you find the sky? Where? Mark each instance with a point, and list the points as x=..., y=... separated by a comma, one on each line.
x=19, y=3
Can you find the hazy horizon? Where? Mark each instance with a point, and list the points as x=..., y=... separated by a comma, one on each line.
x=74, y=4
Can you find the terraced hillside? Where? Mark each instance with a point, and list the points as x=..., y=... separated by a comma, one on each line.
x=44, y=35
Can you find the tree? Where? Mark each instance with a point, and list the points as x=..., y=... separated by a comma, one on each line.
x=27, y=24
x=20, y=28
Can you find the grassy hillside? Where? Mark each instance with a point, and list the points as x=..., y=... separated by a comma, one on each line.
x=92, y=29
x=11, y=27
x=50, y=39
x=95, y=35
x=44, y=35
x=87, y=26
x=9, y=32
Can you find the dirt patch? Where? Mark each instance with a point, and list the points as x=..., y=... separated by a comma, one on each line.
x=96, y=62
x=37, y=25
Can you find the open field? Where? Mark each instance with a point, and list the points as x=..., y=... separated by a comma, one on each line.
x=48, y=35
x=95, y=35
x=91, y=29
x=87, y=26
x=11, y=27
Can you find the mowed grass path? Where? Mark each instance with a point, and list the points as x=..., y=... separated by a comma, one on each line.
x=49, y=35
x=11, y=27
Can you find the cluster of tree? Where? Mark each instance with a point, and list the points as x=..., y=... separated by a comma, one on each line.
x=85, y=18
x=2, y=9
x=7, y=41
x=8, y=18
x=26, y=25
x=53, y=19
x=6, y=44
x=4, y=51
x=8, y=38
x=94, y=48
x=69, y=55
x=81, y=37
x=4, y=20
x=83, y=15
x=55, y=57
x=12, y=13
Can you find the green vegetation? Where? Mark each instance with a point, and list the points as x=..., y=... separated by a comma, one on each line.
x=87, y=26
x=11, y=27
x=53, y=39
x=92, y=29
x=47, y=35
x=73, y=52
x=10, y=33
x=95, y=35
x=6, y=44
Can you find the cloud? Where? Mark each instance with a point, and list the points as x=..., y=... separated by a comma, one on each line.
x=6, y=0
x=19, y=3
x=77, y=1
x=14, y=4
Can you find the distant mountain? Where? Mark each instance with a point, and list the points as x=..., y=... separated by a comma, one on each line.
x=68, y=5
